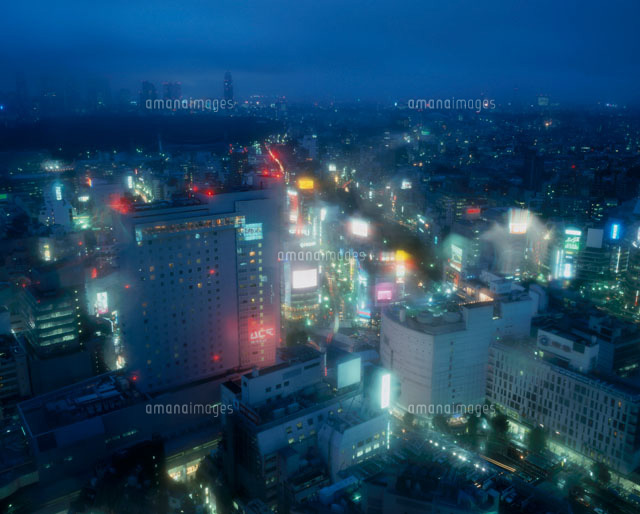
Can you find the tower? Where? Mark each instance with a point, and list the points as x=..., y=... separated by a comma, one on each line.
x=228, y=87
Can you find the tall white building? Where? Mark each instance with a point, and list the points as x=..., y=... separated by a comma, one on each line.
x=440, y=361
x=200, y=287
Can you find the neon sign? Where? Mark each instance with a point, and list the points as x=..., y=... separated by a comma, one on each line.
x=260, y=335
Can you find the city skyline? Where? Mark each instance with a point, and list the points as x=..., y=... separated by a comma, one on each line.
x=320, y=257
x=576, y=54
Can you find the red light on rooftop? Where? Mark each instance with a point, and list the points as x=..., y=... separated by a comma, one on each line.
x=212, y=271
x=216, y=357
x=79, y=243
x=134, y=378
x=209, y=192
x=127, y=286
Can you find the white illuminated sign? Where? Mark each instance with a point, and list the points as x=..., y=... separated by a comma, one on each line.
x=261, y=334
x=385, y=391
x=359, y=228
x=102, y=303
x=456, y=257
x=304, y=279
x=518, y=221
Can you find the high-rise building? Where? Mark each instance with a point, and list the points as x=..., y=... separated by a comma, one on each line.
x=228, y=86
x=14, y=370
x=148, y=92
x=595, y=261
x=201, y=287
x=466, y=250
x=172, y=90
x=631, y=284
x=440, y=359
x=532, y=169
x=55, y=209
x=52, y=319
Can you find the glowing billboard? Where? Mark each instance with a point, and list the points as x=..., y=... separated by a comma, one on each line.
x=518, y=221
x=384, y=295
x=102, y=303
x=252, y=231
x=385, y=391
x=260, y=335
x=456, y=257
x=572, y=240
x=305, y=184
x=304, y=278
x=406, y=184
x=384, y=292
x=359, y=228
x=615, y=231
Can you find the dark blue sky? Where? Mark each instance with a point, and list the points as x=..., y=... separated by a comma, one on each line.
x=574, y=50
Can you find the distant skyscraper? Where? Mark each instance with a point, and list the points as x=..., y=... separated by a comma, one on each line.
x=200, y=287
x=228, y=86
x=148, y=92
x=22, y=95
x=532, y=169
x=98, y=94
x=51, y=319
x=172, y=90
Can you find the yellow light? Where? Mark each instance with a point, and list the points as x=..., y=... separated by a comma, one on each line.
x=401, y=256
x=305, y=183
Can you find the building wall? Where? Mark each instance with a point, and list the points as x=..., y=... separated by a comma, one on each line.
x=256, y=390
x=201, y=289
x=587, y=415
x=442, y=367
x=355, y=444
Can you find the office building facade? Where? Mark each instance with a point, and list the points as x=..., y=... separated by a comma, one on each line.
x=200, y=287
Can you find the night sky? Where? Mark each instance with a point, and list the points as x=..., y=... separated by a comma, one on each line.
x=573, y=50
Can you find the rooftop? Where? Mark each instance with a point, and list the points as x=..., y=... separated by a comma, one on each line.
x=527, y=349
x=287, y=356
x=78, y=402
x=428, y=320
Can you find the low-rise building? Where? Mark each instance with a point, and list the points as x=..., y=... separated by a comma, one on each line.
x=292, y=429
